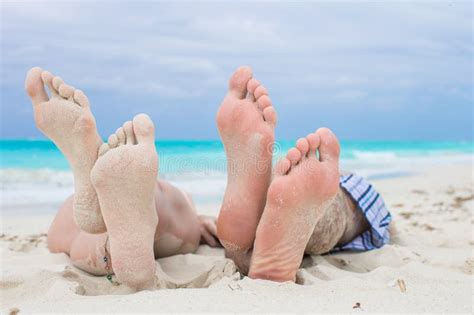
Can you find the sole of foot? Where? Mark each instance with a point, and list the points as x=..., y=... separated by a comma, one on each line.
x=305, y=183
x=65, y=118
x=124, y=177
x=246, y=120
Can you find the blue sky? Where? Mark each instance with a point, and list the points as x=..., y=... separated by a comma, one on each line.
x=386, y=70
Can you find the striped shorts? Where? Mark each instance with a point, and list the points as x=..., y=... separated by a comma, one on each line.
x=369, y=201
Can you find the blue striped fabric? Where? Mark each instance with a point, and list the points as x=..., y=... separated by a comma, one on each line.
x=372, y=205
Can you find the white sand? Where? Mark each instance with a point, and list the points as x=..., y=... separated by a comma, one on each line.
x=432, y=255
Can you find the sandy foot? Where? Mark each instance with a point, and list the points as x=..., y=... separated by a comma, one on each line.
x=66, y=119
x=125, y=177
x=305, y=182
x=246, y=120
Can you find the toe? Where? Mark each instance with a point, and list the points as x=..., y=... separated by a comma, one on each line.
x=80, y=98
x=329, y=146
x=47, y=78
x=57, y=82
x=282, y=167
x=251, y=86
x=264, y=101
x=270, y=116
x=313, y=140
x=103, y=149
x=34, y=86
x=238, y=82
x=129, y=135
x=120, y=135
x=113, y=141
x=66, y=91
x=303, y=145
x=294, y=156
x=259, y=91
x=144, y=129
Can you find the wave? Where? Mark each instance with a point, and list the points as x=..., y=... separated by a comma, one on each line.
x=23, y=187
x=46, y=176
x=375, y=155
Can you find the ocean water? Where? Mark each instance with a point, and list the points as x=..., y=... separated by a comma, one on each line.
x=34, y=174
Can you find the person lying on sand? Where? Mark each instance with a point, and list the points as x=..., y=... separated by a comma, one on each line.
x=121, y=217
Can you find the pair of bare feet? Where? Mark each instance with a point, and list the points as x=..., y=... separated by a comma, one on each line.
x=266, y=223
x=114, y=181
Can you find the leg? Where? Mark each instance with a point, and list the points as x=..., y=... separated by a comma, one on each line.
x=177, y=231
x=65, y=118
x=246, y=121
x=341, y=217
x=340, y=223
x=85, y=250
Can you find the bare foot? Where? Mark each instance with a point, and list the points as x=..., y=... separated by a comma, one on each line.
x=125, y=178
x=66, y=119
x=246, y=122
x=303, y=187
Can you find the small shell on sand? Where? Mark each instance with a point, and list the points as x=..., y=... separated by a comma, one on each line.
x=401, y=285
x=400, y=282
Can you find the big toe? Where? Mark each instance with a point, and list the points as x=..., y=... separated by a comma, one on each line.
x=143, y=128
x=239, y=80
x=34, y=86
x=329, y=145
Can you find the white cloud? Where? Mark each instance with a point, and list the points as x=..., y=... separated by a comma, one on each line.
x=185, y=49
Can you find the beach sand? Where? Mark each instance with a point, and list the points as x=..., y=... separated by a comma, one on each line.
x=426, y=268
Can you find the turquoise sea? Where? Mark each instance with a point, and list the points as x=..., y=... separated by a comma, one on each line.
x=188, y=156
x=33, y=172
